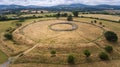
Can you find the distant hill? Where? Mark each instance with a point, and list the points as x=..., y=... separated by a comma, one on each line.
x=72, y=5
x=63, y=7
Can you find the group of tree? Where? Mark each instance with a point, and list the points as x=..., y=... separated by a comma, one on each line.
x=58, y=15
x=3, y=18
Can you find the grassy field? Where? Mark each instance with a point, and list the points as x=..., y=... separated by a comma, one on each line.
x=3, y=57
x=114, y=63
x=3, y=26
x=41, y=54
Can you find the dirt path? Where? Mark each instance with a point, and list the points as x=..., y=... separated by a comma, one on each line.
x=12, y=59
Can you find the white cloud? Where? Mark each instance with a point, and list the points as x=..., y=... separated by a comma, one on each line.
x=57, y=2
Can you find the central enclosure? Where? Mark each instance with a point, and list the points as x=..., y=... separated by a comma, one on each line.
x=70, y=26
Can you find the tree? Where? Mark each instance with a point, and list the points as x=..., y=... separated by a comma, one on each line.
x=69, y=18
x=109, y=49
x=75, y=13
x=87, y=53
x=71, y=59
x=58, y=15
x=111, y=36
x=42, y=12
x=53, y=52
x=95, y=21
x=34, y=16
x=103, y=56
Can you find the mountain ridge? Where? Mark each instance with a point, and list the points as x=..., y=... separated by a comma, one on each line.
x=78, y=5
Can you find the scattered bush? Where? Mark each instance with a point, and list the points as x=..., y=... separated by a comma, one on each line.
x=8, y=36
x=109, y=48
x=10, y=29
x=53, y=52
x=100, y=23
x=87, y=53
x=21, y=19
x=69, y=18
x=103, y=25
x=18, y=24
x=95, y=21
x=111, y=36
x=91, y=21
x=103, y=56
x=71, y=59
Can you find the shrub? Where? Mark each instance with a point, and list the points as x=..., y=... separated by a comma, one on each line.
x=100, y=23
x=91, y=21
x=109, y=48
x=18, y=24
x=69, y=18
x=8, y=36
x=103, y=56
x=71, y=59
x=87, y=53
x=21, y=19
x=111, y=36
x=103, y=25
x=53, y=52
x=10, y=29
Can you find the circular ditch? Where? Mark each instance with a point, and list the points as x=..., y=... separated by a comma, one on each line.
x=73, y=26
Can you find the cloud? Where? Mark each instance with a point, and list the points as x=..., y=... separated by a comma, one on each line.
x=58, y=2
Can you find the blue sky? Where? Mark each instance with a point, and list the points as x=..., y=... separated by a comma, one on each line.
x=58, y=2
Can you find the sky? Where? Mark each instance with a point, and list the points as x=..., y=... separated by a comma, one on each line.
x=58, y=2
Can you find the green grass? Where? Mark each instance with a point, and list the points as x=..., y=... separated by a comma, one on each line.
x=3, y=26
x=3, y=57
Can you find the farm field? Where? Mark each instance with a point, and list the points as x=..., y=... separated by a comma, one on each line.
x=36, y=34
x=109, y=17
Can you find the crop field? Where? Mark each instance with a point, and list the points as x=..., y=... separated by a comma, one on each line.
x=109, y=17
